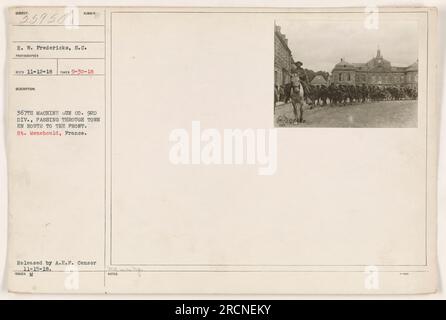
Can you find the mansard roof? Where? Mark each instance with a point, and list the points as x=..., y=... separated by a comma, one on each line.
x=377, y=64
x=344, y=65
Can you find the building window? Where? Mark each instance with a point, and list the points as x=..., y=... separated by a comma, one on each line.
x=348, y=76
x=284, y=77
x=340, y=77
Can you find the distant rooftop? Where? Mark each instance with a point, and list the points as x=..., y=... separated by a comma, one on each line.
x=376, y=62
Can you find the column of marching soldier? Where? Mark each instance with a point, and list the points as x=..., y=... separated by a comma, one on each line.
x=343, y=94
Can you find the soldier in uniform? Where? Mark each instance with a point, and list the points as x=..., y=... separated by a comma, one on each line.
x=323, y=94
x=302, y=74
x=281, y=93
x=297, y=97
x=332, y=94
x=363, y=91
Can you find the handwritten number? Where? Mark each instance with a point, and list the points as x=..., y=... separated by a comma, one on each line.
x=42, y=18
x=52, y=18
x=64, y=18
x=47, y=18
x=33, y=19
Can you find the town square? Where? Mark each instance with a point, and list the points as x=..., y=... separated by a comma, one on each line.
x=370, y=91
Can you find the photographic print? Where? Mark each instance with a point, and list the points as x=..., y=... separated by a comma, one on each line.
x=343, y=74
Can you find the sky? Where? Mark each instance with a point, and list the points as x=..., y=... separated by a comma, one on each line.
x=321, y=44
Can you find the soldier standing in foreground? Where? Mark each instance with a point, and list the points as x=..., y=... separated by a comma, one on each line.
x=297, y=98
x=302, y=74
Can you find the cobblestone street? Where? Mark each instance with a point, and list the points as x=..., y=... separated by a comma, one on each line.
x=383, y=114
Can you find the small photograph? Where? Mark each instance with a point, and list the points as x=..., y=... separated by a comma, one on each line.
x=342, y=74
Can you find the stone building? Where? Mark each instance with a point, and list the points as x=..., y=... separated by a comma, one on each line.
x=283, y=59
x=377, y=71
